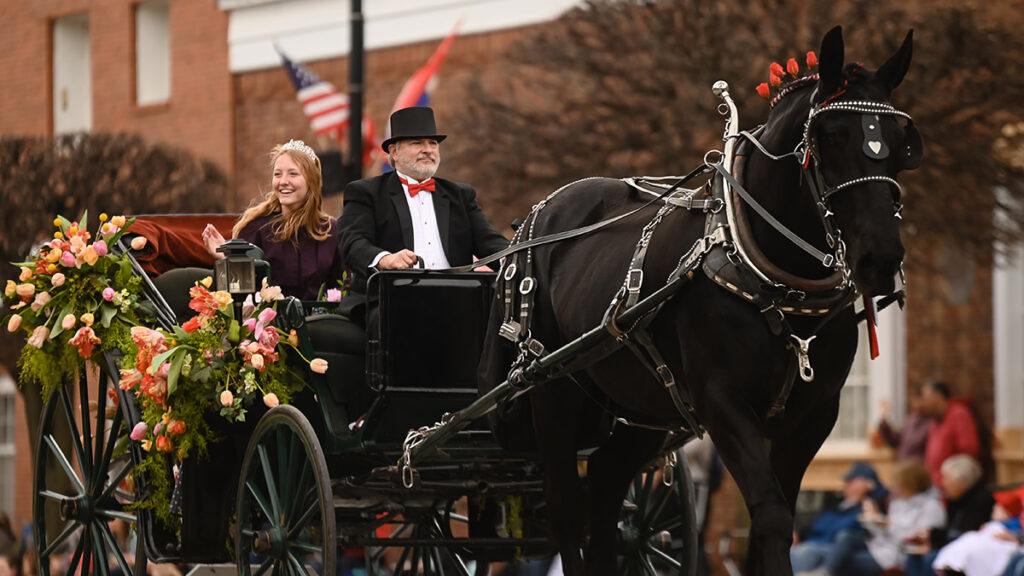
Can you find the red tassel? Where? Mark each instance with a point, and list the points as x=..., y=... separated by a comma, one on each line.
x=775, y=80
x=871, y=315
x=776, y=69
x=763, y=91
x=812, y=60
x=792, y=67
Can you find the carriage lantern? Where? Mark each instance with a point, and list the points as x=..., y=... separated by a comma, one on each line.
x=236, y=272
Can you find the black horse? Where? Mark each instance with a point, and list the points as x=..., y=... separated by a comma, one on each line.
x=732, y=362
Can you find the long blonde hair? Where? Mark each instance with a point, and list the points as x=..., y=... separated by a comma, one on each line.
x=309, y=216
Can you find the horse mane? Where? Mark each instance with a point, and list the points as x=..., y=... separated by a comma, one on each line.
x=853, y=73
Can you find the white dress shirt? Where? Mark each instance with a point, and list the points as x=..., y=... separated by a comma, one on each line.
x=426, y=236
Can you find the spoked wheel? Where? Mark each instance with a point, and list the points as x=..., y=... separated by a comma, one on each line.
x=417, y=550
x=83, y=487
x=285, y=505
x=659, y=528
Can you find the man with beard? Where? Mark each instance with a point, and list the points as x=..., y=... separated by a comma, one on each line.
x=392, y=220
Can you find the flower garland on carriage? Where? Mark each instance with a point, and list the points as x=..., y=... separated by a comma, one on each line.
x=78, y=297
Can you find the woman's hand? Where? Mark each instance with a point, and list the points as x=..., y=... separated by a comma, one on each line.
x=212, y=238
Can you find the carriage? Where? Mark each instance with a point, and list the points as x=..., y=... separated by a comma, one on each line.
x=389, y=451
x=331, y=472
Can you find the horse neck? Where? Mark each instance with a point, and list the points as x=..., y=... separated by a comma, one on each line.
x=779, y=187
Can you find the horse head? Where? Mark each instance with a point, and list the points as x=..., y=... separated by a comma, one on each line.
x=856, y=143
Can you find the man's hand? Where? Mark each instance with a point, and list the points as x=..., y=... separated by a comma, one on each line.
x=397, y=261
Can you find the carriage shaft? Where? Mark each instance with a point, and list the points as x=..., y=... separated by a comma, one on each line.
x=544, y=368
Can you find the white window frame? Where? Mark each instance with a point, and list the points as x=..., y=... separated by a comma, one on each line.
x=152, y=52
x=8, y=450
x=885, y=378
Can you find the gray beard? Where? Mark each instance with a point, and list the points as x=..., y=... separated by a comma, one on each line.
x=416, y=172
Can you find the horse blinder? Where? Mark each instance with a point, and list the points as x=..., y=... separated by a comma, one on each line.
x=875, y=147
x=913, y=149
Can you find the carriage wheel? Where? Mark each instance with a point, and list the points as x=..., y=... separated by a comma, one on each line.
x=659, y=529
x=422, y=558
x=285, y=505
x=83, y=484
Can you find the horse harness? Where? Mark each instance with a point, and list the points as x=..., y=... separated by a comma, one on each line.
x=725, y=253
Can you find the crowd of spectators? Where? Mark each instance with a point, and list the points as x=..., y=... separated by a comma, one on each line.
x=942, y=517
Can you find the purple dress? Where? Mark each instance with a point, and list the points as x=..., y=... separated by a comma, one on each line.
x=302, y=271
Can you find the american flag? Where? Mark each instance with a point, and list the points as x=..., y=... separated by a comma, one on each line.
x=326, y=108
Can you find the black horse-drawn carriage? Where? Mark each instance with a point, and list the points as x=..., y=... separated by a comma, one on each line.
x=286, y=493
x=798, y=220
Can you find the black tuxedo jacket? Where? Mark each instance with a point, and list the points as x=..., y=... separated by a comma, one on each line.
x=376, y=218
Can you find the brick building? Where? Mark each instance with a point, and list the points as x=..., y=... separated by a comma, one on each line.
x=205, y=76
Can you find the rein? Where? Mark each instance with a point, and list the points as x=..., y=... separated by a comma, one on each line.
x=575, y=233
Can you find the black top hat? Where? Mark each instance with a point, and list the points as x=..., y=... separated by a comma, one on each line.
x=414, y=122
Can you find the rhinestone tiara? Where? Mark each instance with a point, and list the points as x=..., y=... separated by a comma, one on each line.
x=300, y=146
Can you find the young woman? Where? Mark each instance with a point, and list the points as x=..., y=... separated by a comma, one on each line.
x=298, y=239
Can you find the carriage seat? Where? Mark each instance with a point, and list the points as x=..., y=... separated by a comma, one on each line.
x=174, y=286
x=342, y=343
x=336, y=333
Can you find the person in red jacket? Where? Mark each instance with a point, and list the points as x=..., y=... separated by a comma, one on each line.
x=953, y=431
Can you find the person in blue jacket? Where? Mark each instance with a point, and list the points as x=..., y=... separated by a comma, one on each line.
x=812, y=551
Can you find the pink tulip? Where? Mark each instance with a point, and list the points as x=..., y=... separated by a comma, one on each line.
x=318, y=365
x=39, y=336
x=227, y=398
x=100, y=247
x=67, y=259
x=257, y=361
x=138, y=243
x=334, y=295
x=271, y=400
x=108, y=293
x=41, y=300
x=68, y=322
x=267, y=316
x=57, y=280
x=156, y=429
x=14, y=323
x=139, y=432
x=25, y=290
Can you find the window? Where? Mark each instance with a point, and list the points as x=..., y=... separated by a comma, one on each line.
x=852, y=424
x=152, y=53
x=7, y=392
x=72, y=75
x=872, y=380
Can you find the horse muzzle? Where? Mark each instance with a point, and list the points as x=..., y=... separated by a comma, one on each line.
x=875, y=274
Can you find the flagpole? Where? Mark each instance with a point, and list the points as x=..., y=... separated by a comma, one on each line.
x=356, y=78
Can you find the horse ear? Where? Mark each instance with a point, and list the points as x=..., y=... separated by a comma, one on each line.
x=830, y=63
x=895, y=68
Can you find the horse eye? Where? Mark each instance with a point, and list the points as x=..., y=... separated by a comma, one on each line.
x=833, y=136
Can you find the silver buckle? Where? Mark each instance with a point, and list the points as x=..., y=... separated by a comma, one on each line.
x=634, y=280
x=510, y=330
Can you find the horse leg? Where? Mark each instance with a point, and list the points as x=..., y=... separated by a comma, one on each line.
x=555, y=424
x=734, y=426
x=792, y=453
x=609, y=471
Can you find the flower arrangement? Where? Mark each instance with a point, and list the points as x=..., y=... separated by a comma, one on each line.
x=210, y=365
x=74, y=298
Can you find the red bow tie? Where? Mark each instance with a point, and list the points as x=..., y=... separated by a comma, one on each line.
x=415, y=189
